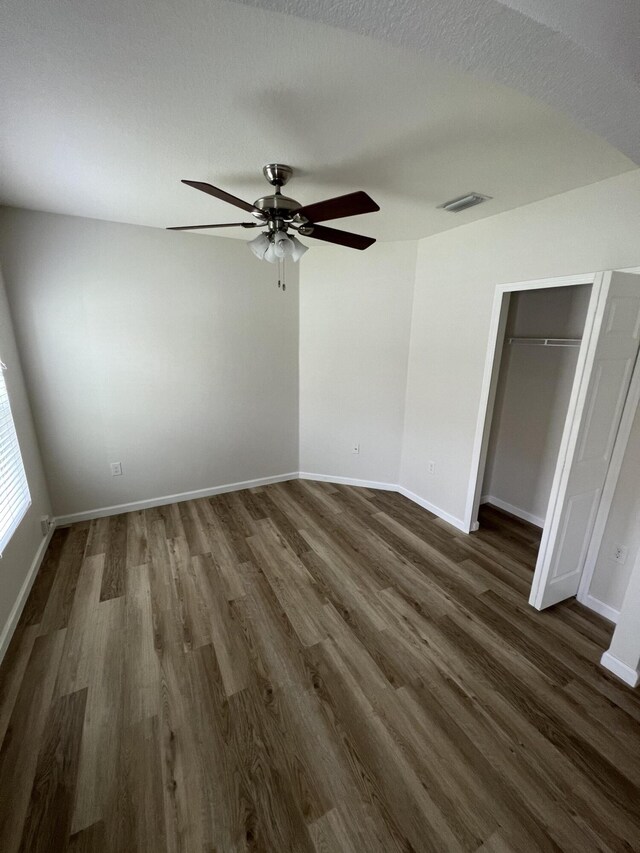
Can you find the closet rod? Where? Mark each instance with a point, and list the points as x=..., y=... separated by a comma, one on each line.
x=546, y=342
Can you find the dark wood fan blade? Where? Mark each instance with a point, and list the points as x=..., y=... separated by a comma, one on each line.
x=333, y=235
x=221, y=194
x=221, y=225
x=351, y=204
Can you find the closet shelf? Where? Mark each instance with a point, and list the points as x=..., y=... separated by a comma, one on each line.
x=546, y=342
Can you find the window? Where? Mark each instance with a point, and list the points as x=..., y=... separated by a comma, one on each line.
x=15, y=499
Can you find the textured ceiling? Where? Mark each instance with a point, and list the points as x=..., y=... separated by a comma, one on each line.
x=580, y=56
x=609, y=30
x=106, y=105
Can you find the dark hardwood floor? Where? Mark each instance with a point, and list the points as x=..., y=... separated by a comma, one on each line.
x=505, y=532
x=307, y=667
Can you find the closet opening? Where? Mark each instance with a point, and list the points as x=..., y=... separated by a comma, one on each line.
x=536, y=373
x=560, y=390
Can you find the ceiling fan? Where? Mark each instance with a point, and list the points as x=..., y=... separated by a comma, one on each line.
x=279, y=215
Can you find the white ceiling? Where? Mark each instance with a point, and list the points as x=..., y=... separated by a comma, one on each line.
x=105, y=106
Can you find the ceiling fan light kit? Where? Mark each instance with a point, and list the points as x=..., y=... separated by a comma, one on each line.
x=280, y=215
x=281, y=246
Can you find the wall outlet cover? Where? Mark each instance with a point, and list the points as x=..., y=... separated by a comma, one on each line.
x=620, y=553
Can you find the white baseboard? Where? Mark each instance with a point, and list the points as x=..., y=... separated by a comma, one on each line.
x=425, y=504
x=622, y=670
x=600, y=607
x=348, y=481
x=388, y=487
x=513, y=510
x=21, y=600
x=100, y=512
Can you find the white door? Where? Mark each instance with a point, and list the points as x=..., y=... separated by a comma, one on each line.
x=607, y=358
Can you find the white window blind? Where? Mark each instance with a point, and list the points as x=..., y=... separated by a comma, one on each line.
x=15, y=499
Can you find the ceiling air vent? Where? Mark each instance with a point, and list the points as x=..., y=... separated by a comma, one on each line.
x=456, y=205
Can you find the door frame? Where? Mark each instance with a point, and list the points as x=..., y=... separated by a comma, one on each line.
x=493, y=359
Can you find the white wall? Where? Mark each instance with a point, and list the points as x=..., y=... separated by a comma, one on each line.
x=23, y=548
x=173, y=353
x=532, y=399
x=355, y=315
x=592, y=228
x=623, y=657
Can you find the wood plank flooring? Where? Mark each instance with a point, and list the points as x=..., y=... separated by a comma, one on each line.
x=308, y=667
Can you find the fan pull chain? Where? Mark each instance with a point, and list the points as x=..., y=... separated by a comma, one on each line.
x=281, y=282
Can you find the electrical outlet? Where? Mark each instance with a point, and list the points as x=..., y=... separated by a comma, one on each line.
x=116, y=469
x=620, y=553
x=355, y=447
x=431, y=467
x=45, y=524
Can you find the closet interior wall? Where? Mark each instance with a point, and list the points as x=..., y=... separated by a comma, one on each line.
x=532, y=399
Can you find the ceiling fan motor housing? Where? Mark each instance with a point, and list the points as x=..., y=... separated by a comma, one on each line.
x=277, y=209
x=277, y=173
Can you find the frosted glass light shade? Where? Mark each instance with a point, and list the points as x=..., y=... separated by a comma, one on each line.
x=260, y=245
x=298, y=249
x=283, y=244
x=270, y=254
